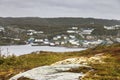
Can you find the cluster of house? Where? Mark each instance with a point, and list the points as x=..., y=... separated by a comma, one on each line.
x=112, y=27
x=74, y=38
x=32, y=32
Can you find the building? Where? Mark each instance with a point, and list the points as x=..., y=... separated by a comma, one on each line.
x=2, y=29
x=71, y=31
x=112, y=27
x=87, y=31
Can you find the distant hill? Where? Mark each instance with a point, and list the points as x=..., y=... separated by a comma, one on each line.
x=55, y=26
x=56, y=21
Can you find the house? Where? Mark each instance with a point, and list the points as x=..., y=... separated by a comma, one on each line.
x=62, y=43
x=89, y=37
x=71, y=36
x=74, y=42
x=52, y=44
x=71, y=31
x=46, y=42
x=65, y=37
x=57, y=43
x=38, y=40
x=109, y=27
x=31, y=40
x=75, y=28
x=118, y=40
x=92, y=43
x=16, y=39
x=55, y=38
x=87, y=31
x=30, y=32
x=112, y=27
x=2, y=28
x=59, y=36
x=40, y=32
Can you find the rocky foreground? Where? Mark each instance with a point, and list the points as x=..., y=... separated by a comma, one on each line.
x=62, y=70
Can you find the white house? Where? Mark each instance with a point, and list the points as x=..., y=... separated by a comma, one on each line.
x=72, y=36
x=71, y=31
x=112, y=27
x=87, y=31
x=46, y=42
x=118, y=40
x=38, y=40
x=75, y=28
x=109, y=27
x=59, y=36
x=90, y=43
x=40, y=32
x=55, y=38
x=30, y=34
x=52, y=44
x=62, y=42
x=2, y=28
x=65, y=37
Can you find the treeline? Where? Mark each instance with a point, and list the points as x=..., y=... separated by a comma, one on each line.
x=56, y=21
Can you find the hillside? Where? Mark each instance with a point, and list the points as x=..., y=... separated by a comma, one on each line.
x=56, y=21
x=88, y=29
x=51, y=23
x=11, y=65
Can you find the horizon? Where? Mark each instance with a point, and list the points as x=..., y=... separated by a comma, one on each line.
x=57, y=17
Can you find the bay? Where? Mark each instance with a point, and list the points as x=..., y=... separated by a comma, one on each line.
x=26, y=49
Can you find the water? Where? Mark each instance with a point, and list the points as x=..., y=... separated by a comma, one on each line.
x=25, y=49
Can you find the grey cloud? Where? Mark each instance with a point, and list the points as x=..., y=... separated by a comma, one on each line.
x=61, y=8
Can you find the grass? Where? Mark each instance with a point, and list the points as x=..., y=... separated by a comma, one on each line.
x=110, y=70
x=12, y=65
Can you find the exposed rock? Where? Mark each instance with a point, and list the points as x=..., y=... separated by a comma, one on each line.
x=61, y=70
x=82, y=60
x=57, y=72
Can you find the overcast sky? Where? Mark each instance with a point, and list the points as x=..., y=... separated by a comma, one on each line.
x=109, y=9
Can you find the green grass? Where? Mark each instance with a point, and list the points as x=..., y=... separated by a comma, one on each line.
x=12, y=65
x=110, y=70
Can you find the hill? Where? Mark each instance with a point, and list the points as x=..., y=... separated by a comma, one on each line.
x=51, y=23
x=56, y=21
x=52, y=27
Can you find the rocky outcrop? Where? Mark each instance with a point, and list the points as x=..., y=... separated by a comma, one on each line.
x=56, y=72
x=60, y=70
x=98, y=58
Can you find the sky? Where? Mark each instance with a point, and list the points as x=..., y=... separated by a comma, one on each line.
x=106, y=9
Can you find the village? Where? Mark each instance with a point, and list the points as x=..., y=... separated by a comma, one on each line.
x=74, y=37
